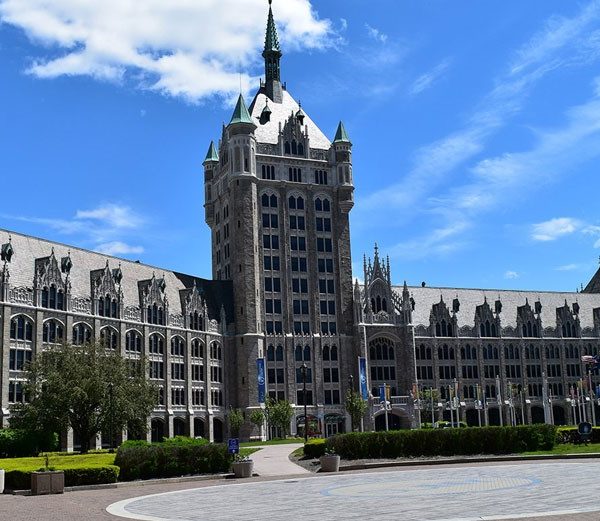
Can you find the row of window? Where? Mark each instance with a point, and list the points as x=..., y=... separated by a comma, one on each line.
x=295, y=202
x=301, y=354
x=268, y=171
x=489, y=329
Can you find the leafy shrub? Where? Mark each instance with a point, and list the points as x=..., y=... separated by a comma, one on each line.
x=315, y=448
x=135, y=443
x=170, y=459
x=570, y=435
x=21, y=479
x=184, y=440
x=15, y=443
x=443, y=442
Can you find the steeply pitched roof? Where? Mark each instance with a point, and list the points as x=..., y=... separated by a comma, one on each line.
x=240, y=113
x=212, y=154
x=341, y=136
x=280, y=112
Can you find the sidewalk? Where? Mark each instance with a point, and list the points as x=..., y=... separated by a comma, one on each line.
x=273, y=460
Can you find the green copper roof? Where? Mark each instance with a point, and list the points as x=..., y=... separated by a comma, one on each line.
x=271, y=39
x=241, y=114
x=341, y=136
x=212, y=154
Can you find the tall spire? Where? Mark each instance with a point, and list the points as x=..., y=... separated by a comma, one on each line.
x=272, y=55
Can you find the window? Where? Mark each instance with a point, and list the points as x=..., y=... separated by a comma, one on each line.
x=178, y=371
x=268, y=172
x=320, y=177
x=156, y=345
x=53, y=332
x=300, y=307
x=15, y=392
x=195, y=321
x=332, y=396
x=331, y=375
x=155, y=315
x=197, y=348
x=381, y=349
x=271, y=262
x=299, y=285
x=271, y=242
x=197, y=373
x=276, y=376
x=109, y=338
x=198, y=397
x=177, y=346
x=21, y=328
x=325, y=265
x=268, y=201
x=299, y=264
x=297, y=222
x=302, y=354
x=301, y=328
x=300, y=375
x=273, y=284
x=327, y=307
x=18, y=357
x=133, y=342
x=270, y=220
x=298, y=243
x=156, y=369
x=274, y=327
x=178, y=396
x=108, y=307
x=53, y=298
x=322, y=205
x=324, y=245
x=215, y=351
x=82, y=334
x=273, y=305
x=216, y=374
x=323, y=224
x=295, y=175
x=300, y=397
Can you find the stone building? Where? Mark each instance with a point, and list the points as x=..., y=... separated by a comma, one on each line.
x=278, y=193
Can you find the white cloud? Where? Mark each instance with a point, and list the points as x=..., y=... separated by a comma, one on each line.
x=511, y=275
x=554, y=228
x=376, y=34
x=568, y=267
x=344, y=24
x=425, y=81
x=118, y=248
x=113, y=215
x=440, y=241
x=433, y=163
x=180, y=48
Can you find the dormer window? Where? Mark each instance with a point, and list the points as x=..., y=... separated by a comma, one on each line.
x=443, y=328
x=53, y=298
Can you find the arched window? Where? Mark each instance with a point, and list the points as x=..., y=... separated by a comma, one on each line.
x=286, y=148
x=271, y=353
x=279, y=354
x=307, y=353
x=21, y=328
x=82, y=334
x=53, y=332
x=195, y=321
x=334, y=353
x=298, y=353
x=326, y=353
x=273, y=201
x=300, y=149
x=318, y=205
x=177, y=346
x=197, y=348
x=109, y=338
x=215, y=351
x=156, y=344
x=265, y=200
x=133, y=342
x=294, y=147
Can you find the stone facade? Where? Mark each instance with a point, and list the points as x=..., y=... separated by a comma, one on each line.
x=278, y=194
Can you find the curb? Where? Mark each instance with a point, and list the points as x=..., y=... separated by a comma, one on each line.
x=457, y=461
x=129, y=484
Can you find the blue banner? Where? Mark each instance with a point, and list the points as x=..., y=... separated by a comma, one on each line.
x=362, y=376
x=261, y=380
x=382, y=397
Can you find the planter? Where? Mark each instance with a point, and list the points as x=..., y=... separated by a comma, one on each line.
x=330, y=463
x=1, y=481
x=47, y=482
x=242, y=469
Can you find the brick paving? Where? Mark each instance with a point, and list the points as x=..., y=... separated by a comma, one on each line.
x=465, y=492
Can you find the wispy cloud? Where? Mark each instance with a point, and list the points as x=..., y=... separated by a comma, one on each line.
x=180, y=48
x=426, y=81
x=105, y=227
x=376, y=34
x=554, y=228
x=118, y=248
x=568, y=267
x=511, y=275
x=497, y=178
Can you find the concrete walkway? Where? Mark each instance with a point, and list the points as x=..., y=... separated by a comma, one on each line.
x=273, y=460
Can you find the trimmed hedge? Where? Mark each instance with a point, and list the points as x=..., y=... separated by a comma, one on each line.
x=21, y=479
x=16, y=443
x=443, y=442
x=315, y=448
x=570, y=435
x=164, y=460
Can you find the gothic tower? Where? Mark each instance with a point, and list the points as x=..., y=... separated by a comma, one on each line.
x=278, y=197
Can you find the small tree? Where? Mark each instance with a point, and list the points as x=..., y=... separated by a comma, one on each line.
x=88, y=388
x=356, y=408
x=258, y=418
x=236, y=420
x=279, y=414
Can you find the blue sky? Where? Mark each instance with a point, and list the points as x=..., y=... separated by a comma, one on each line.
x=476, y=126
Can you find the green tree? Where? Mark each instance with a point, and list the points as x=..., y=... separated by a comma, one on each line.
x=356, y=408
x=279, y=414
x=258, y=418
x=88, y=388
x=236, y=420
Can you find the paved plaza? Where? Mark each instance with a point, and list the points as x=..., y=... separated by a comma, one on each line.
x=459, y=493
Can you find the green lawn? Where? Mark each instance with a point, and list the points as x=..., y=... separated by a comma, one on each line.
x=271, y=442
x=567, y=448
x=58, y=462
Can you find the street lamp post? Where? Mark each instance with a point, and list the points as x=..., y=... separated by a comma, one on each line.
x=304, y=368
x=110, y=417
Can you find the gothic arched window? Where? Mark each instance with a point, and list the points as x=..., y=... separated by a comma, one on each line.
x=156, y=344
x=82, y=334
x=21, y=328
x=53, y=332
x=177, y=346
x=109, y=338
x=133, y=342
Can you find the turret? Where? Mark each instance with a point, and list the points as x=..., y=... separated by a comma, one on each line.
x=342, y=150
x=211, y=164
x=242, y=143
